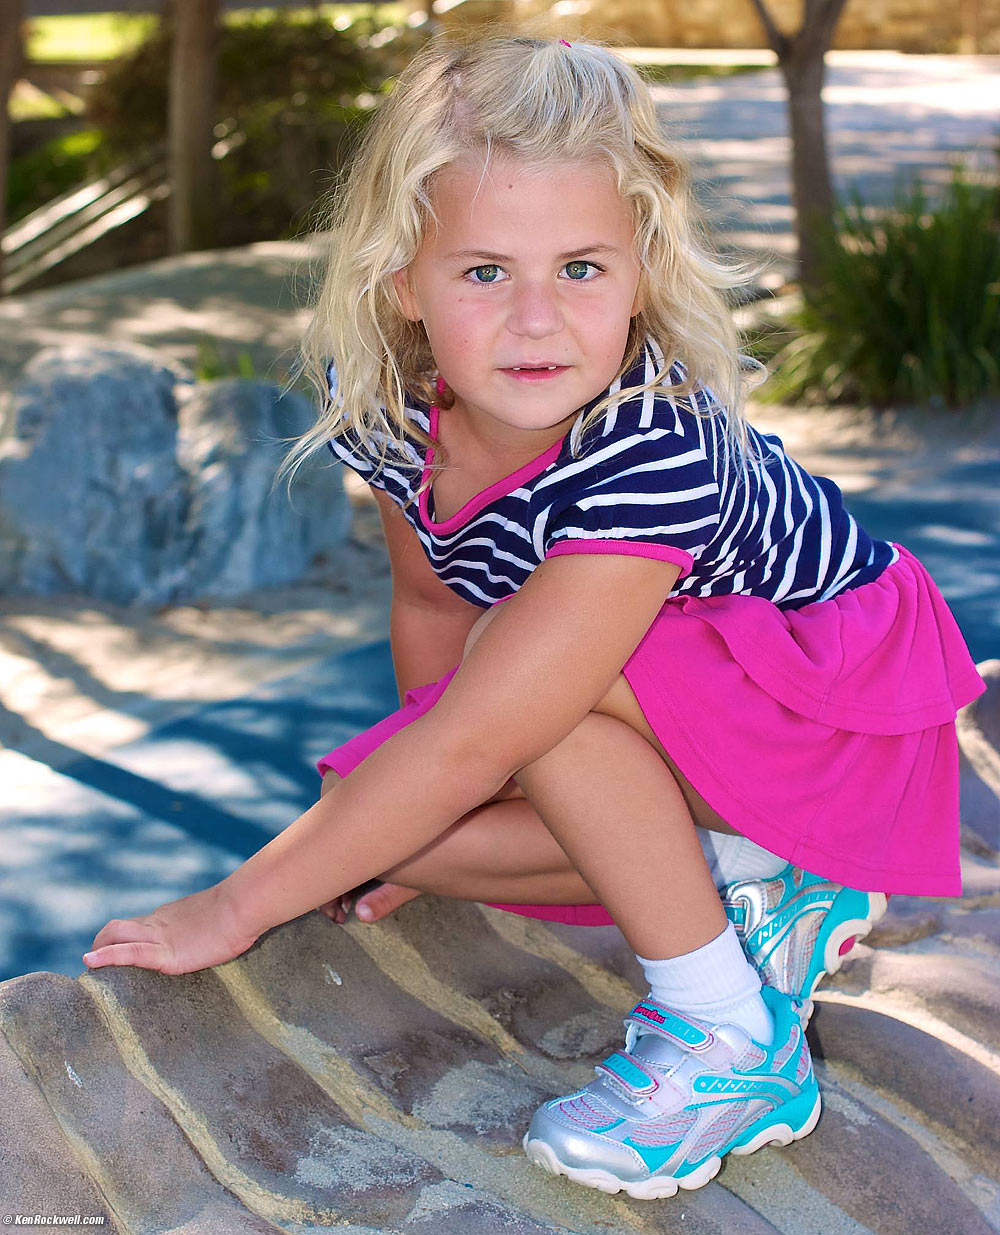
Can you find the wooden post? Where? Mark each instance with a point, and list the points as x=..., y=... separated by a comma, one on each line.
x=190, y=124
x=11, y=54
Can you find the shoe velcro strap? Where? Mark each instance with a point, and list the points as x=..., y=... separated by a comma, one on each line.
x=736, y=913
x=651, y=1016
x=629, y=1073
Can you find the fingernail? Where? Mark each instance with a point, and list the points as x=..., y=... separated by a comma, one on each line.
x=364, y=913
x=88, y=957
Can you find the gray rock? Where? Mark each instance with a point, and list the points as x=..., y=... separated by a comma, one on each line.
x=37, y=1175
x=118, y=1137
x=92, y=498
x=244, y=532
x=949, y=1088
x=959, y=990
x=900, y=1190
x=121, y=480
x=377, y=1080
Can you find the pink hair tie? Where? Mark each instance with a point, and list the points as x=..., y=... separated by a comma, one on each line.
x=565, y=44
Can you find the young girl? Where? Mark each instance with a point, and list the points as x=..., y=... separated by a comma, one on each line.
x=643, y=654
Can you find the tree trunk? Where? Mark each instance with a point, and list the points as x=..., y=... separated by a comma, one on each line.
x=812, y=186
x=801, y=57
x=11, y=53
x=191, y=121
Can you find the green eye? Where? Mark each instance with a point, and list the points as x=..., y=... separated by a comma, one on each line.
x=577, y=270
x=490, y=276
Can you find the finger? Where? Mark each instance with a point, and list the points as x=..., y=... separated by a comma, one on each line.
x=383, y=900
x=142, y=955
x=125, y=930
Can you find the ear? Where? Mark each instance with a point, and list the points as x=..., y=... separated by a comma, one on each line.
x=404, y=290
x=639, y=303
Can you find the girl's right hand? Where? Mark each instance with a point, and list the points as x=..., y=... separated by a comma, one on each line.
x=182, y=936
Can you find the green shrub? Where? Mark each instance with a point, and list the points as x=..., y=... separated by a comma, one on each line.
x=907, y=309
x=51, y=170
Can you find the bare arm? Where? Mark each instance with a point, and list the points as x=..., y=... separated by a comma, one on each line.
x=428, y=624
x=426, y=642
x=547, y=659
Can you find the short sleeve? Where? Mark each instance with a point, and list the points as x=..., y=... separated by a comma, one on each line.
x=647, y=488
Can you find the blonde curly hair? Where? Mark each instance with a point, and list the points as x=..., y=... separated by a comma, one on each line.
x=537, y=100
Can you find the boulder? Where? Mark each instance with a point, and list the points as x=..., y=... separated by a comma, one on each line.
x=92, y=497
x=245, y=531
x=123, y=480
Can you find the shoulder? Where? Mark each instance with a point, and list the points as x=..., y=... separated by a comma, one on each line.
x=655, y=422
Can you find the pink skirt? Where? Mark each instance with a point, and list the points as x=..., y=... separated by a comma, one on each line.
x=826, y=734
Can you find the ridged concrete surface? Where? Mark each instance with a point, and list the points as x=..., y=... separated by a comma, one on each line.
x=379, y=1078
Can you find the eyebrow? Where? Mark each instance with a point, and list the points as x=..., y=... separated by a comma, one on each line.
x=469, y=254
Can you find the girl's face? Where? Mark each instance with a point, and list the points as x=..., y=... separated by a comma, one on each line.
x=530, y=267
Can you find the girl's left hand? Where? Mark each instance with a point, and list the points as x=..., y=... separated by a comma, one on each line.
x=192, y=933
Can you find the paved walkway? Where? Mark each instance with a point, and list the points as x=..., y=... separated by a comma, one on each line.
x=887, y=114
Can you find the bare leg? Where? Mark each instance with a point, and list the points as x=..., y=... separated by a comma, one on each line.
x=617, y=811
x=621, y=815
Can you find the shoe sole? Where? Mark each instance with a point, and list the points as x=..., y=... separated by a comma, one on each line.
x=838, y=946
x=660, y=1187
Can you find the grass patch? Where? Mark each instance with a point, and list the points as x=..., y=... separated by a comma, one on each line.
x=341, y=15
x=90, y=36
x=668, y=74
x=214, y=362
x=29, y=103
x=106, y=36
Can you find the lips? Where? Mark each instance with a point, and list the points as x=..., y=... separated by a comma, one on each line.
x=534, y=373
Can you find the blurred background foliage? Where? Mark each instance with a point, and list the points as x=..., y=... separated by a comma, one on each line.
x=294, y=94
x=907, y=308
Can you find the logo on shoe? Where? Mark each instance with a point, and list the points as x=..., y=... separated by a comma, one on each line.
x=734, y=1087
x=787, y=916
x=672, y=1026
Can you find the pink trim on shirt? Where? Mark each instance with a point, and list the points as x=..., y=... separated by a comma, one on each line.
x=490, y=494
x=633, y=548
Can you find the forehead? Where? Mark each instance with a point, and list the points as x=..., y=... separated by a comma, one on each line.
x=525, y=199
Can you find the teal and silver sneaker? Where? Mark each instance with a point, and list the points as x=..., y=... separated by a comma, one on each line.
x=796, y=928
x=664, y=1112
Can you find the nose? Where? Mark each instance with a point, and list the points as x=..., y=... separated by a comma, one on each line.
x=535, y=311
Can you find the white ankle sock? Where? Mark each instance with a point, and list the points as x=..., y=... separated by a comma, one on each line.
x=715, y=983
x=731, y=857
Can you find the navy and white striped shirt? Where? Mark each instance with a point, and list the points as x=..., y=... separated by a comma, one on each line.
x=653, y=478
